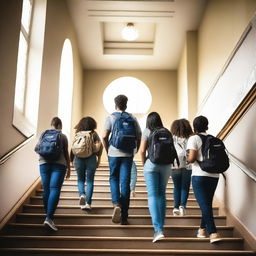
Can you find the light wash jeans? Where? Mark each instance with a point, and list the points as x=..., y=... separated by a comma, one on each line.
x=133, y=176
x=156, y=177
x=52, y=176
x=85, y=168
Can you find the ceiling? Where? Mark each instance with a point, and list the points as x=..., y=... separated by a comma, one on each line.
x=162, y=27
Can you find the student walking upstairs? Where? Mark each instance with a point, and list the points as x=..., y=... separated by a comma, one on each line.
x=54, y=164
x=121, y=139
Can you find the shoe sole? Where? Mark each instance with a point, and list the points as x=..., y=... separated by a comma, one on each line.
x=215, y=240
x=116, y=217
x=157, y=239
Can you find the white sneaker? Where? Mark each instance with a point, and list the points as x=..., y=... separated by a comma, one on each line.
x=50, y=224
x=182, y=211
x=116, y=217
x=86, y=207
x=82, y=200
x=176, y=212
x=201, y=233
x=158, y=235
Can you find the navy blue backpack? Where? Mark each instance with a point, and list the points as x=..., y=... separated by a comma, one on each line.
x=123, y=134
x=49, y=146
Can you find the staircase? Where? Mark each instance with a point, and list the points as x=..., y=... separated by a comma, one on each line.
x=93, y=233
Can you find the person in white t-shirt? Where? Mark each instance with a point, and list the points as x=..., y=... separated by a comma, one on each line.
x=204, y=183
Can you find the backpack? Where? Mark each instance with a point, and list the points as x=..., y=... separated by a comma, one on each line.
x=161, y=149
x=180, y=146
x=83, y=144
x=123, y=134
x=49, y=146
x=215, y=158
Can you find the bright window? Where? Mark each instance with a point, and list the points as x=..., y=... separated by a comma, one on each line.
x=139, y=96
x=22, y=64
x=66, y=87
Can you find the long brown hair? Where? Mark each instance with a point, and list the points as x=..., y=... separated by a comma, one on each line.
x=181, y=128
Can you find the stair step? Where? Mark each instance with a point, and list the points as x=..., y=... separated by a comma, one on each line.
x=92, y=242
x=107, y=194
x=105, y=219
x=106, y=201
x=123, y=252
x=110, y=230
x=134, y=210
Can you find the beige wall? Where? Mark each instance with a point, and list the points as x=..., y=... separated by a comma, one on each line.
x=223, y=23
x=187, y=78
x=21, y=170
x=219, y=32
x=162, y=85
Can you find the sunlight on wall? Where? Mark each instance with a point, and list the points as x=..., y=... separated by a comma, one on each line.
x=66, y=87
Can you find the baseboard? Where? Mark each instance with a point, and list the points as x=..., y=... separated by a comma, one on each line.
x=10, y=216
x=240, y=229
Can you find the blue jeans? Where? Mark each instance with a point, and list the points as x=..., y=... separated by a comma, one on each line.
x=181, y=180
x=52, y=176
x=204, y=189
x=85, y=168
x=120, y=176
x=156, y=177
x=133, y=176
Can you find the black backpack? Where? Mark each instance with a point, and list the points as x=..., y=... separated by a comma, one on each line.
x=215, y=158
x=161, y=149
x=123, y=134
x=49, y=146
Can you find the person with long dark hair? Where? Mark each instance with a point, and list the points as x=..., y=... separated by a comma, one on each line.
x=86, y=166
x=156, y=178
x=204, y=183
x=181, y=175
x=53, y=173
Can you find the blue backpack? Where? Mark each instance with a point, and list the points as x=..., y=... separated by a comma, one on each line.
x=49, y=146
x=215, y=158
x=123, y=134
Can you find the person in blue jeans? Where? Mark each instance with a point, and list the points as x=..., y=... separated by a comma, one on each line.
x=120, y=162
x=181, y=175
x=86, y=167
x=52, y=174
x=156, y=178
x=204, y=183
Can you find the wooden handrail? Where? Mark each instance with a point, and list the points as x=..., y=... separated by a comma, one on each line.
x=5, y=157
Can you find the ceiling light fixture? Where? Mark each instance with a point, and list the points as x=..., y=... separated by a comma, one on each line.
x=129, y=32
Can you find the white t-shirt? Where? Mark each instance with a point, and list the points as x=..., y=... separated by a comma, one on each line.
x=195, y=143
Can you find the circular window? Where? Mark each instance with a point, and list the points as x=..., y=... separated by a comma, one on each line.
x=139, y=96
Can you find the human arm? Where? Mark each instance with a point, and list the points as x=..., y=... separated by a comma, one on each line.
x=142, y=151
x=105, y=142
x=66, y=155
x=192, y=155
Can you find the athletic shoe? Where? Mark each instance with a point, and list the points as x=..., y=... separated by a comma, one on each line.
x=82, y=200
x=176, y=212
x=214, y=237
x=201, y=233
x=182, y=211
x=86, y=207
x=49, y=223
x=116, y=217
x=158, y=235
